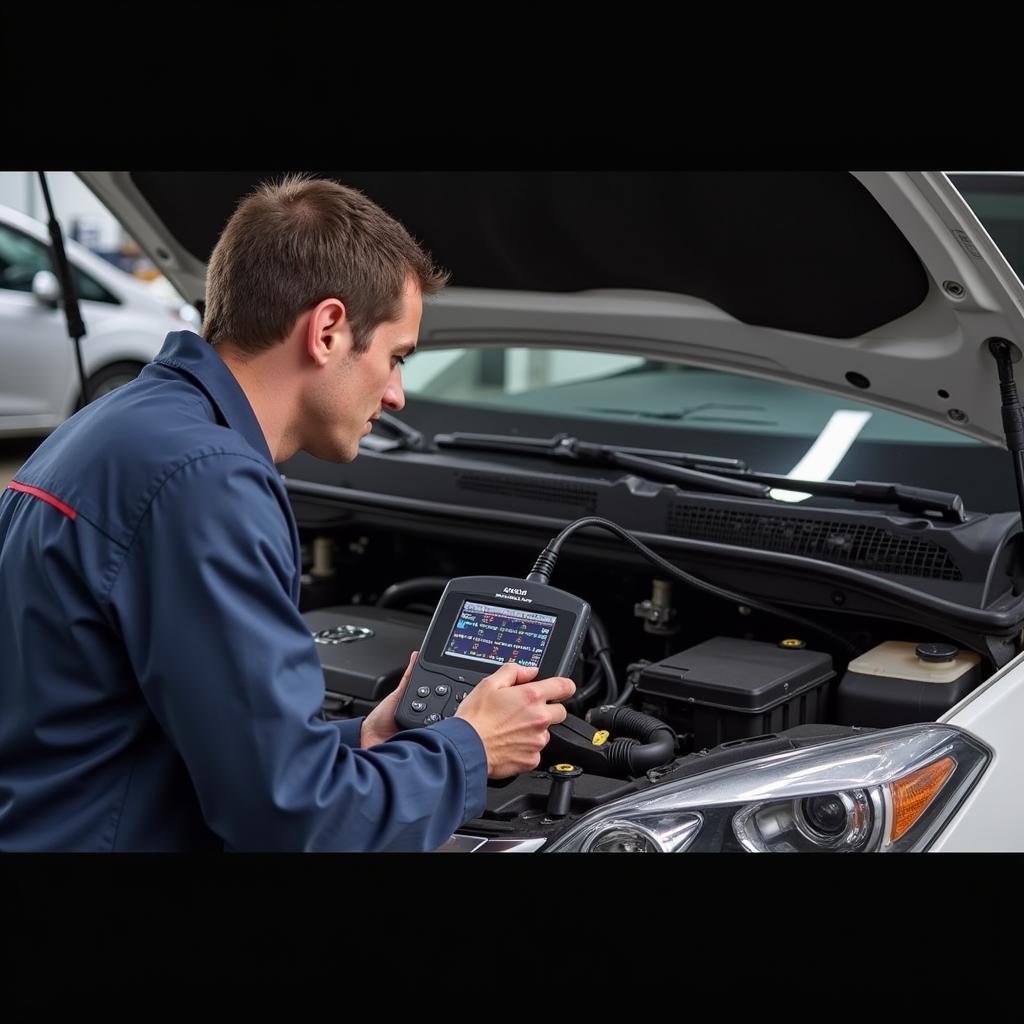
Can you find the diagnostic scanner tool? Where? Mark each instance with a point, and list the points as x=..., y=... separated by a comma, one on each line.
x=481, y=623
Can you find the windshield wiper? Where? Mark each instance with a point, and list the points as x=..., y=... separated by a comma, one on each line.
x=402, y=436
x=654, y=464
x=726, y=476
x=565, y=446
x=917, y=501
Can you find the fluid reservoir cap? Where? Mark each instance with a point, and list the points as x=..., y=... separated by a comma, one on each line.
x=937, y=652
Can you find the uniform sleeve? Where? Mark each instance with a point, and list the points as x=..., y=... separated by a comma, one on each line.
x=225, y=661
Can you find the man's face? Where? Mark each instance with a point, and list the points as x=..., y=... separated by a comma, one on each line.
x=356, y=389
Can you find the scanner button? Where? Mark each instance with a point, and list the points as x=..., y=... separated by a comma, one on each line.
x=461, y=695
x=431, y=719
x=441, y=689
x=418, y=705
x=423, y=691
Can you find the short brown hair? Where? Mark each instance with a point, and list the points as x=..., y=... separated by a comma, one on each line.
x=291, y=244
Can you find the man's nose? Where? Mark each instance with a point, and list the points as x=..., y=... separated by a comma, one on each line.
x=394, y=396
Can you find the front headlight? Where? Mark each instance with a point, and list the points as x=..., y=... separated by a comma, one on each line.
x=886, y=791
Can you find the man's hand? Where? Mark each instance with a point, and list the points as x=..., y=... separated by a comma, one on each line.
x=379, y=725
x=510, y=711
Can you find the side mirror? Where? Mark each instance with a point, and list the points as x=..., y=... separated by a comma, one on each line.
x=46, y=288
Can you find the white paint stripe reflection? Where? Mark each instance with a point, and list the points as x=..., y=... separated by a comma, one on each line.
x=826, y=453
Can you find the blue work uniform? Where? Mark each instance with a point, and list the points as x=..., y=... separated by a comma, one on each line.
x=159, y=689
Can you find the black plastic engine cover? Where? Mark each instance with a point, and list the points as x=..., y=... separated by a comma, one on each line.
x=363, y=649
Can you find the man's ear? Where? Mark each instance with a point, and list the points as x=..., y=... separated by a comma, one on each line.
x=328, y=334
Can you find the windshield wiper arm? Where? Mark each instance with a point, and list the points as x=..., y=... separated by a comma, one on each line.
x=916, y=501
x=402, y=436
x=566, y=446
x=666, y=466
x=729, y=476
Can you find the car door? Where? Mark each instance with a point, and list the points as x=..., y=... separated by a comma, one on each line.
x=38, y=375
x=36, y=356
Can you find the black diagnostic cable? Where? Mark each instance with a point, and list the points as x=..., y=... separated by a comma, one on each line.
x=545, y=565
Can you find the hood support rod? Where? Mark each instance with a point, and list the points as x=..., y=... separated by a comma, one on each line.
x=72, y=312
x=1006, y=354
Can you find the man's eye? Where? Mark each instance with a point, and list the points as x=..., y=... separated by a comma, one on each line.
x=399, y=361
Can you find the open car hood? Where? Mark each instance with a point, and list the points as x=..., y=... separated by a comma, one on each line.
x=883, y=286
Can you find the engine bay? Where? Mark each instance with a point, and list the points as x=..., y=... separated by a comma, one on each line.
x=675, y=679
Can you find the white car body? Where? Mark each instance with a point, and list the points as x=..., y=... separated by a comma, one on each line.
x=39, y=385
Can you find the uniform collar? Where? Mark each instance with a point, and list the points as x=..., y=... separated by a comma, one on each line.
x=187, y=352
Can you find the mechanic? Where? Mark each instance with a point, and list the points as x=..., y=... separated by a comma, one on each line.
x=159, y=689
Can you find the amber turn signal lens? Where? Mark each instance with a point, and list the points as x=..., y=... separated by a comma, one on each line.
x=912, y=794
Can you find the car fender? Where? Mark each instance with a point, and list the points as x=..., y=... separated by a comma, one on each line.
x=133, y=340
x=990, y=818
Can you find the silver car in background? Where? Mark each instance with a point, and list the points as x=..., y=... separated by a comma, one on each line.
x=126, y=322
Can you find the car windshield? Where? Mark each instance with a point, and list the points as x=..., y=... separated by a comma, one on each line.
x=629, y=400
